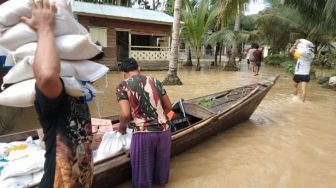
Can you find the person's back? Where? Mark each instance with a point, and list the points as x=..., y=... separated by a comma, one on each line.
x=257, y=56
x=144, y=105
x=144, y=93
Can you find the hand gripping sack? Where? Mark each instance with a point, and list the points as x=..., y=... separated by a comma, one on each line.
x=12, y=10
x=70, y=47
x=21, y=33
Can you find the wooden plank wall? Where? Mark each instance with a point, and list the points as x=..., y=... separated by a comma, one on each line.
x=112, y=25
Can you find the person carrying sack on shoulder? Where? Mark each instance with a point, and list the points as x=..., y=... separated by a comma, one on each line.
x=144, y=105
x=303, y=51
x=65, y=120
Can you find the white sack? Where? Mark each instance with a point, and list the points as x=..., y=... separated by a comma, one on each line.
x=70, y=47
x=332, y=81
x=127, y=138
x=3, y=148
x=82, y=70
x=16, y=182
x=110, y=145
x=22, y=94
x=11, y=11
x=21, y=33
x=37, y=176
x=25, y=166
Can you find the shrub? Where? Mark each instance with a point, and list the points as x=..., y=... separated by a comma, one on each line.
x=277, y=59
x=323, y=80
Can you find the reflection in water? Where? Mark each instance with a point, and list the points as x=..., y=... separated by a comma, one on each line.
x=286, y=143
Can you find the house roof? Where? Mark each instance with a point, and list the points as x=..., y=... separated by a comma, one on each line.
x=121, y=13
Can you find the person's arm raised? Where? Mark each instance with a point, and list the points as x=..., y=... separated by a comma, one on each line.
x=47, y=62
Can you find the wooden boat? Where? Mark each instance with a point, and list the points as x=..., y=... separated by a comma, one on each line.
x=193, y=124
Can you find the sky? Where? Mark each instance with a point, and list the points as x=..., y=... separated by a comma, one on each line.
x=255, y=7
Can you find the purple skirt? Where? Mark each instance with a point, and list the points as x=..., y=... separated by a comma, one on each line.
x=150, y=156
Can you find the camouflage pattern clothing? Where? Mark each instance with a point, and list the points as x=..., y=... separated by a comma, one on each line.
x=144, y=95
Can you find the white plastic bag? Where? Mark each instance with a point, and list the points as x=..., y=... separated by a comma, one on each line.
x=22, y=94
x=110, y=145
x=332, y=81
x=21, y=33
x=70, y=47
x=82, y=70
x=24, y=166
x=127, y=139
x=16, y=182
x=12, y=10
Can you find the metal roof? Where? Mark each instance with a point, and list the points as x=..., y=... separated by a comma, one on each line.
x=121, y=13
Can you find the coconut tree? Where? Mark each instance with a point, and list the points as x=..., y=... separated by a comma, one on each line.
x=197, y=23
x=172, y=78
x=226, y=10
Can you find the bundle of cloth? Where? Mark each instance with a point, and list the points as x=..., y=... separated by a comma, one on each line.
x=304, y=48
x=21, y=163
x=18, y=44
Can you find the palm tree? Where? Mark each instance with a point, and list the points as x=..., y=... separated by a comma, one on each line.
x=319, y=22
x=227, y=9
x=172, y=78
x=197, y=23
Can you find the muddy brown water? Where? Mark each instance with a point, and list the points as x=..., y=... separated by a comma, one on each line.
x=285, y=144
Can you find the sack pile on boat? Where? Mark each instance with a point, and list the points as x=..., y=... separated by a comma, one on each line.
x=21, y=163
x=18, y=44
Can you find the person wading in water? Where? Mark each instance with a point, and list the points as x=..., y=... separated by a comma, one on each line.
x=144, y=104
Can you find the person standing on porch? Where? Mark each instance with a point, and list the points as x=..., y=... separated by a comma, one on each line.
x=65, y=120
x=144, y=105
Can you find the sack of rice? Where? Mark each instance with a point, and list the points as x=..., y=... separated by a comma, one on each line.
x=22, y=94
x=21, y=33
x=84, y=70
x=70, y=47
x=11, y=11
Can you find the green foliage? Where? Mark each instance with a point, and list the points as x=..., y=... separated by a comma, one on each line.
x=288, y=66
x=170, y=7
x=323, y=80
x=206, y=102
x=277, y=59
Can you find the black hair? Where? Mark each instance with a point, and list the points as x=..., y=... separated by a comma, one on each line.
x=129, y=64
x=255, y=46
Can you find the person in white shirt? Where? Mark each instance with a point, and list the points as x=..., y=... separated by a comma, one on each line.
x=249, y=57
x=302, y=67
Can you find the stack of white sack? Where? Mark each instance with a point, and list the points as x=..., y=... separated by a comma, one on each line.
x=21, y=163
x=112, y=143
x=304, y=48
x=18, y=44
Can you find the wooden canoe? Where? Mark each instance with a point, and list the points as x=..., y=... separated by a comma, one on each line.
x=228, y=108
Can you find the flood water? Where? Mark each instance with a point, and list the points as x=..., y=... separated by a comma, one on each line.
x=285, y=144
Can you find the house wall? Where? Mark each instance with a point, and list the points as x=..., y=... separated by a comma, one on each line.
x=113, y=25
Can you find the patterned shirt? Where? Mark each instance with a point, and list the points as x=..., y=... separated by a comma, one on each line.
x=66, y=124
x=144, y=94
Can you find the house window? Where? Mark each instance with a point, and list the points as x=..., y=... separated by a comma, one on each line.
x=99, y=34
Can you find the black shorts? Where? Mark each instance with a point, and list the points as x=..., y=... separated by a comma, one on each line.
x=301, y=78
x=248, y=61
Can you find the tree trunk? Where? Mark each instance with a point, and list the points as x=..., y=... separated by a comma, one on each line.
x=220, y=52
x=231, y=65
x=198, y=65
x=172, y=78
x=189, y=60
x=216, y=53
